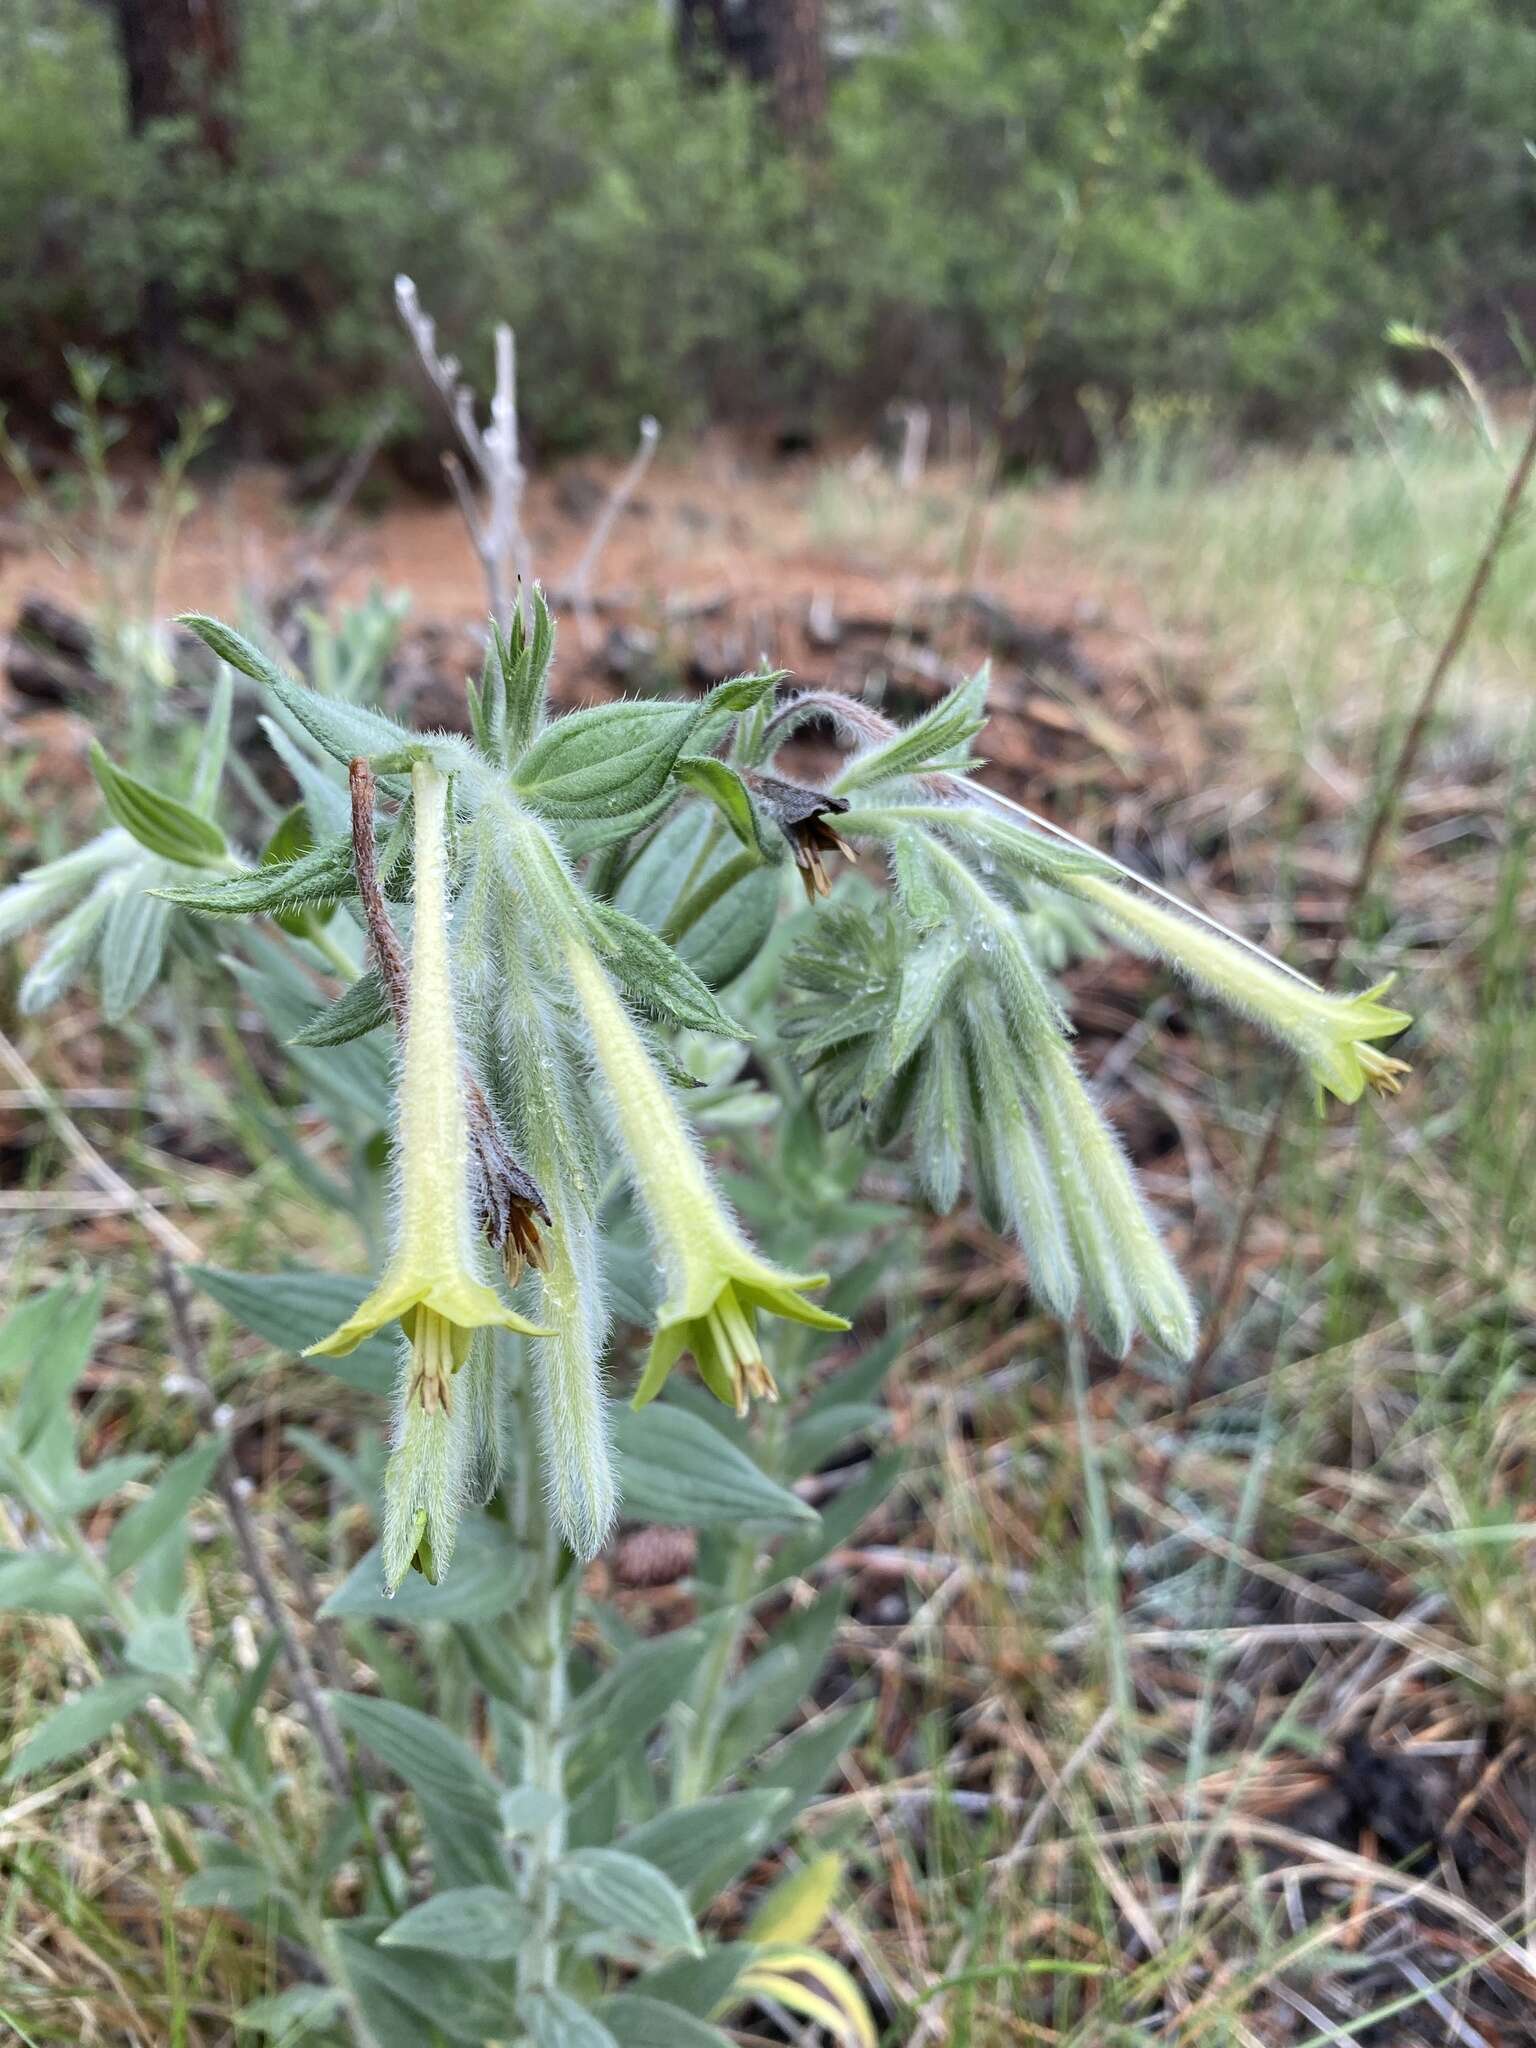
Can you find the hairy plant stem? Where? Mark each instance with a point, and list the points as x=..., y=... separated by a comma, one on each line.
x=698, y=1735
x=706, y=1710
x=543, y=1643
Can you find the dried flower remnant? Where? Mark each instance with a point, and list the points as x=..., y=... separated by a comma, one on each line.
x=803, y=815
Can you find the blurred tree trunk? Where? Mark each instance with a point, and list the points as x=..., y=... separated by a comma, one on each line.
x=182, y=61
x=779, y=45
x=182, y=58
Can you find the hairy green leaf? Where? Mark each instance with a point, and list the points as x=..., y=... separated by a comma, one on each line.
x=638, y=2022
x=297, y=1307
x=623, y=1894
x=160, y=822
x=654, y=976
x=360, y=1008
x=939, y=740
x=80, y=1725
x=479, y=1922
x=703, y=1846
x=674, y=1468
x=323, y=875
x=143, y=1526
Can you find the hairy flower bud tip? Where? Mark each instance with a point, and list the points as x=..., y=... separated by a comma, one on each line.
x=1331, y=1034
x=716, y=1282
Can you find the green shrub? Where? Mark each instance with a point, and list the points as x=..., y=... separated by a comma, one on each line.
x=1285, y=178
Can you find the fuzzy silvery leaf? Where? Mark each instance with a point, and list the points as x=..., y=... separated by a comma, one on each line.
x=653, y=976
x=236, y=1883
x=343, y=730
x=106, y=1477
x=678, y=1470
x=292, y=1308
x=137, y=1533
x=733, y=930
x=70, y=949
x=161, y=1646
x=554, y=2020
x=323, y=875
x=640, y=2022
x=692, y=1985
x=840, y=1517
x=432, y=1761
x=353, y=1083
x=324, y=792
x=515, y=684
x=916, y=889
x=625, y=1895
x=293, y=838
x=360, y=1008
x=29, y=1328
x=814, y=1438
x=132, y=947
x=411, y=1997
x=768, y=1691
x=701, y=1847
x=478, y=1922
x=939, y=740
x=591, y=835
x=80, y=1725
x=47, y=1582
x=928, y=975
x=604, y=761
x=45, y=889
x=289, y=2016
x=486, y=1581
x=62, y=1329
x=159, y=822
x=803, y=1763
x=214, y=745
x=624, y=1705
x=612, y=760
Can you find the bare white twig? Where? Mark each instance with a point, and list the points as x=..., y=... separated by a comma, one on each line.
x=915, y=423
x=579, y=588
x=495, y=526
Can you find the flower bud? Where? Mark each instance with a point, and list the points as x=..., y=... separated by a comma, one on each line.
x=431, y=1285
x=1330, y=1034
x=716, y=1282
x=1129, y=1281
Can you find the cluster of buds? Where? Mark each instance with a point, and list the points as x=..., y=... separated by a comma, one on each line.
x=525, y=1072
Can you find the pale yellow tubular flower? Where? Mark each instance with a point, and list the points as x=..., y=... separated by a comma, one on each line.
x=431, y=1285
x=1331, y=1034
x=716, y=1282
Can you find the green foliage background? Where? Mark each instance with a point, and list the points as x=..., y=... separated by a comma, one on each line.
x=1290, y=174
